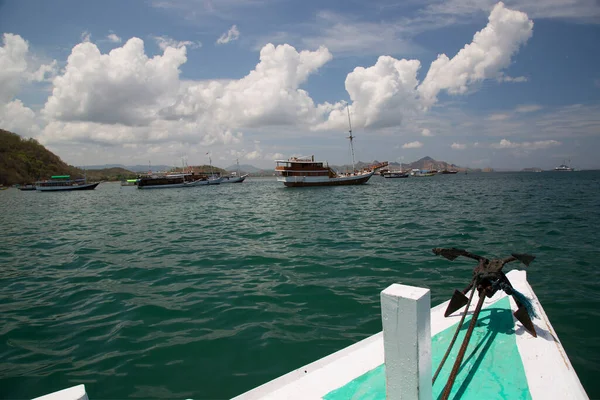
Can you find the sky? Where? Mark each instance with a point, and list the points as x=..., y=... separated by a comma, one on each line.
x=477, y=83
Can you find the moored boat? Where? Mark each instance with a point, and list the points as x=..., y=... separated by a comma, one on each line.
x=64, y=183
x=129, y=182
x=235, y=177
x=305, y=171
x=448, y=172
x=395, y=174
x=564, y=168
x=27, y=187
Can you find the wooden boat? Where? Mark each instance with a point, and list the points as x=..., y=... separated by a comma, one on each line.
x=305, y=171
x=418, y=173
x=63, y=183
x=503, y=360
x=395, y=174
x=448, y=172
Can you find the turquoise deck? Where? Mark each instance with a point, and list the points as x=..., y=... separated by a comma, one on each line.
x=492, y=368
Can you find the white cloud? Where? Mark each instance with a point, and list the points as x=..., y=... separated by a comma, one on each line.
x=426, y=132
x=542, y=144
x=164, y=42
x=527, y=108
x=232, y=34
x=412, y=145
x=498, y=117
x=458, y=146
x=506, y=78
x=85, y=36
x=114, y=38
x=484, y=58
x=121, y=87
x=381, y=95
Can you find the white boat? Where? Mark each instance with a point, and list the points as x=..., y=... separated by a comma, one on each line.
x=564, y=168
x=63, y=183
x=305, y=171
x=503, y=359
x=211, y=180
x=235, y=177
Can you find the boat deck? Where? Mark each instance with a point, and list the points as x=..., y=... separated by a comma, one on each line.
x=503, y=360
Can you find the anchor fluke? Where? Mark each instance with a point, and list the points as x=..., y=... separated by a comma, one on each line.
x=450, y=254
x=524, y=258
x=458, y=301
x=523, y=317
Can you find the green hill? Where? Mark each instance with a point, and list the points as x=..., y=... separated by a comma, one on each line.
x=26, y=161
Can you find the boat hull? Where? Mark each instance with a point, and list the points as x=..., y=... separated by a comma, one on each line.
x=303, y=181
x=167, y=186
x=235, y=179
x=87, y=186
x=395, y=175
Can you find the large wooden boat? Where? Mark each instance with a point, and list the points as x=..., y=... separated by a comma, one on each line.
x=305, y=171
x=63, y=183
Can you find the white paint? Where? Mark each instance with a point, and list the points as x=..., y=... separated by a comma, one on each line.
x=405, y=316
x=72, y=393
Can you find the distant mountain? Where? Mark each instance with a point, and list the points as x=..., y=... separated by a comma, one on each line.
x=134, y=168
x=244, y=168
x=423, y=163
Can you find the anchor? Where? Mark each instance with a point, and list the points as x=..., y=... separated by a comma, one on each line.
x=487, y=279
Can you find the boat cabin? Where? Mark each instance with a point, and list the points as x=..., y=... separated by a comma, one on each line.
x=303, y=166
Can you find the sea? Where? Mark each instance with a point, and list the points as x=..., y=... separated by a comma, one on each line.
x=207, y=292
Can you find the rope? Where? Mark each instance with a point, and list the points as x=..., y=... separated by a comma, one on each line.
x=462, y=319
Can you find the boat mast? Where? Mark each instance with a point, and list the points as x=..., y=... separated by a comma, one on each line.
x=237, y=161
x=350, y=137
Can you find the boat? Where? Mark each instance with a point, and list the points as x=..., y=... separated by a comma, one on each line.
x=395, y=174
x=564, y=168
x=2, y=187
x=27, y=187
x=235, y=177
x=421, y=173
x=161, y=182
x=129, y=182
x=504, y=358
x=64, y=183
x=448, y=172
x=305, y=171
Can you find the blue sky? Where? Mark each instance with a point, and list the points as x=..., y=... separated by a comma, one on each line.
x=523, y=92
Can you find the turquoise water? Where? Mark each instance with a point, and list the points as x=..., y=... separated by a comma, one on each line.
x=205, y=293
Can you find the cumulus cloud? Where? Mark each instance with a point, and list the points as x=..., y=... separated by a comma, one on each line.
x=85, y=36
x=17, y=68
x=381, y=95
x=490, y=51
x=412, y=145
x=542, y=144
x=527, y=108
x=232, y=34
x=458, y=146
x=121, y=87
x=114, y=38
x=426, y=132
x=165, y=42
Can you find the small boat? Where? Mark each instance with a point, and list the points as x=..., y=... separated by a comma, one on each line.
x=235, y=177
x=421, y=173
x=129, y=182
x=305, y=171
x=395, y=174
x=63, y=183
x=204, y=181
x=564, y=168
x=27, y=187
x=448, y=172
x=503, y=357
